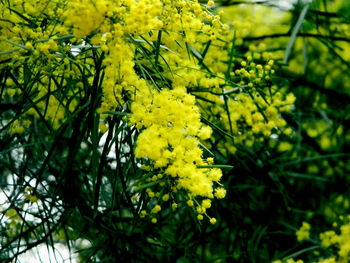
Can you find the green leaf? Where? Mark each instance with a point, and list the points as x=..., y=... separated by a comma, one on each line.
x=157, y=46
x=115, y=113
x=295, y=33
x=231, y=54
x=306, y=176
x=16, y=44
x=215, y=166
x=9, y=51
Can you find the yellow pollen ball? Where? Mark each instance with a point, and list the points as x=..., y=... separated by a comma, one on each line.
x=165, y=197
x=206, y=203
x=220, y=192
x=190, y=203
x=211, y=3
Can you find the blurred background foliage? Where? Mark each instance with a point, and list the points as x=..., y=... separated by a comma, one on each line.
x=299, y=174
x=302, y=174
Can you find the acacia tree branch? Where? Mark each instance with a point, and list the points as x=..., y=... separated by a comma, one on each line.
x=277, y=35
x=38, y=242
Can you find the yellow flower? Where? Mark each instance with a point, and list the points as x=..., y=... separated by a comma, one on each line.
x=304, y=232
x=190, y=203
x=206, y=203
x=220, y=192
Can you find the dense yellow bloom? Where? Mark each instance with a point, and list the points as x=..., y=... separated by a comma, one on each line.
x=328, y=238
x=304, y=232
x=340, y=241
x=170, y=140
x=220, y=192
x=162, y=64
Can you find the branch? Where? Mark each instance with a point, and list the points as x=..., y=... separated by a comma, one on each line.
x=277, y=35
x=36, y=243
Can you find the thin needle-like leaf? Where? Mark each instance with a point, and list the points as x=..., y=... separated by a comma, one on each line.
x=295, y=32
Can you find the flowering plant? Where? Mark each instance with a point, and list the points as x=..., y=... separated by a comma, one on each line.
x=131, y=124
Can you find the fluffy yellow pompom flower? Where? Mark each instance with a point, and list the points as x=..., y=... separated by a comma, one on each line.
x=190, y=203
x=210, y=3
x=304, y=232
x=156, y=209
x=220, y=192
x=206, y=203
x=174, y=206
x=165, y=197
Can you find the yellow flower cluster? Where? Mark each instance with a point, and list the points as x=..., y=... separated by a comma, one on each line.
x=28, y=24
x=323, y=64
x=251, y=116
x=304, y=232
x=120, y=28
x=169, y=118
x=323, y=131
x=258, y=20
x=47, y=101
x=338, y=206
x=341, y=240
x=165, y=62
x=255, y=108
x=169, y=141
x=336, y=242
x=32, y=36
